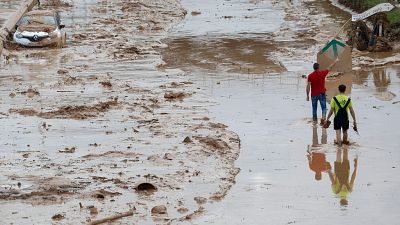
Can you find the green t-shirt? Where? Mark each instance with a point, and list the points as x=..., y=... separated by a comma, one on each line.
x=342, y=99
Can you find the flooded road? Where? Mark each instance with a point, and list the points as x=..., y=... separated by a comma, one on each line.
x=94, y=129
x=150, y=103
x=264, y=102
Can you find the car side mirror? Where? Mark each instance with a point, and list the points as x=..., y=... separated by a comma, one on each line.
x=16, y=27
x=62, y=26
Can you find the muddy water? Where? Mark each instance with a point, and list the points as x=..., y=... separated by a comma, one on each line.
x=218, y=35
x=266, y=106
x=6, y=8
x=85, y=124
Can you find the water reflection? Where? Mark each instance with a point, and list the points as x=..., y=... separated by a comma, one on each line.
x=232, y=55
x=316, y=157
x=332, y=85
x=380, y=78
x=340, y=183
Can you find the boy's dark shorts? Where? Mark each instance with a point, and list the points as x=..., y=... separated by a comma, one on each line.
x=341, y=125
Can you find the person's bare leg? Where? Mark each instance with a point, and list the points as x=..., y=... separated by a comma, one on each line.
x=345, y=153
x=339, y=137
x=338, y=155
x=345, y=141
x=324, y=137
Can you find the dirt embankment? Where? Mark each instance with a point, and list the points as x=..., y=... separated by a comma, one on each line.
x=99, y=122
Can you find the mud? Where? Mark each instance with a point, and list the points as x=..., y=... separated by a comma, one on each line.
x=267, y=109
x=70, y=112
x=192, y=93
x=97, y=120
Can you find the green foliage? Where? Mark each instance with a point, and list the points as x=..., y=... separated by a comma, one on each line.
x=393, y=16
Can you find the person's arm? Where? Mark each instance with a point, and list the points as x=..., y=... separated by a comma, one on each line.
x=353, y=114
x=331, y=176
x=332, y=64
x=308, y=89
x=353, y=176
x=329, y=114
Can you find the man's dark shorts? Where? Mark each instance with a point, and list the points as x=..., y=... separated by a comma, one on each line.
x=341, y=125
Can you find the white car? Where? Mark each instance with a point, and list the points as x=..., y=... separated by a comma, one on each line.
x=40, y=28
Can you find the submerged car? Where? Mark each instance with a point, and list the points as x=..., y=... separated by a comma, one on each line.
x=40, y=28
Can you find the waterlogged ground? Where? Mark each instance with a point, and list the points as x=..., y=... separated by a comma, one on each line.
x=86, y=124
x=95, y=129
x=263, y=101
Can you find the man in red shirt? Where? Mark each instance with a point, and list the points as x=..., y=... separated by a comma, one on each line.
x=316, y=83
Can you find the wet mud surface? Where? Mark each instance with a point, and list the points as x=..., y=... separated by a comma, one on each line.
x=151, y=102
x=267, y=109
x=95, y=129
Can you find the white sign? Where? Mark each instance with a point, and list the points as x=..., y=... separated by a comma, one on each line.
x=384, y=7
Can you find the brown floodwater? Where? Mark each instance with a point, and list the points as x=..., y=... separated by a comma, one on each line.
x=267, y=108
x=86, y=124
x=239, y=63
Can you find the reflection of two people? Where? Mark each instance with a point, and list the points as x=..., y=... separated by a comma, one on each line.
x=341, y=182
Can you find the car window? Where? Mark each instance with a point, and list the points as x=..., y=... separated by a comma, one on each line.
x=24, y=20
x=48, y=20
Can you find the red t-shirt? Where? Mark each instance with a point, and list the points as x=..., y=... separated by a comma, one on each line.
x=317, y=80
x=318, y=162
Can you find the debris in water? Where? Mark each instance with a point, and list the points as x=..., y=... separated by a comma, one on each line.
x=174, y=95
x=57, y=217
x=68, y=150
x=146, y=187
x=195, y=13
x=187, y=140
x=93, y=210
x=106, y=84
x=160, y=209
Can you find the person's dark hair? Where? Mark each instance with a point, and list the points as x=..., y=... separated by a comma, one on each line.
x=316, y=66
x=318, y=176
x=342, y=88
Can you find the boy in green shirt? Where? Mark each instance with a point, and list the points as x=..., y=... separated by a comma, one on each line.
x=340, y=104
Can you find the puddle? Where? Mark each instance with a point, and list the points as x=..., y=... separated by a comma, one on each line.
x=245, y=56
